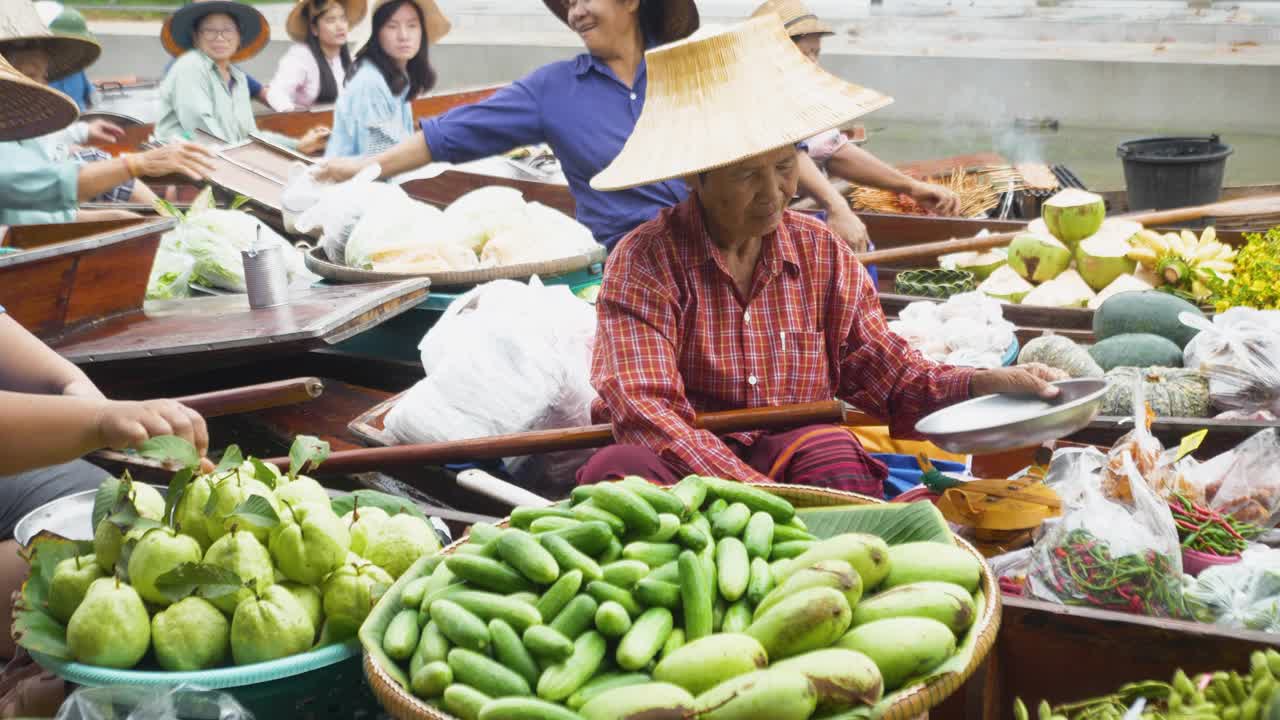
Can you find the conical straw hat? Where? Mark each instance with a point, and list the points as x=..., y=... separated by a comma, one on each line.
x=679, y=20
x=177, y=34
x=298, y=25
x=717, y=99
x=796, y=17
x=437, y=24
x=21, y=27
x=30, y=109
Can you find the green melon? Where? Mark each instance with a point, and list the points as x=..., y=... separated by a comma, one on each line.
x=1136, y=350
x=1150, y=312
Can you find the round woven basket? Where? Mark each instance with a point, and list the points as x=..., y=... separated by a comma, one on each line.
x=318, y=263
x=915, y=701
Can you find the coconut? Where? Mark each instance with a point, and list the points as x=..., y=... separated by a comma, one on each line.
x=1124, y=283
x=1073, y=215
x=1006, y=285
x=1066, y=290
x=1038, y=227
x=980, y=264
x=1038, y=258
x=1103, y=256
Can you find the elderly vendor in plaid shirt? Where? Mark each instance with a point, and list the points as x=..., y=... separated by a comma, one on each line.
x=729, y=300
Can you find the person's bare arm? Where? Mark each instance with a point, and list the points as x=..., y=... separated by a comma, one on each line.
x=862, y=168
x=100, y=176
x=30, y=366
x=409, y=154
x=840, y=217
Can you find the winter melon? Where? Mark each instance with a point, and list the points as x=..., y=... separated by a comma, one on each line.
x=1151, y=312
x=1136, y=350
x=1060, y=352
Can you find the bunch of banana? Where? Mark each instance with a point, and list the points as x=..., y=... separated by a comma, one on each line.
x=1182, y=259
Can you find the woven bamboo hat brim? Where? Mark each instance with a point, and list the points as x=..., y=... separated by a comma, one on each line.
x=796, y=17
x=298, y=26
x=679, y=19
x=715, y=100
x=22, y=28
x=30, y=109
x=178, y=34
x=437, y=24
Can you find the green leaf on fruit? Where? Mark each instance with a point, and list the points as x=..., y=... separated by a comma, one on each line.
x=231, y=459
x=211, y=580
x=177, y=488
x=390, y=504
x=110, y=493
x=307, y=452
x=262, y=473
x=256, y=511
x=212, y=503
x=170, y=448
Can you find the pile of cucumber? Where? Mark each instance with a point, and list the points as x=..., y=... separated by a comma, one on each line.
x=709, y=600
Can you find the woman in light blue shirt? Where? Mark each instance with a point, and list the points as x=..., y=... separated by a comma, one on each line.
x=374, y=112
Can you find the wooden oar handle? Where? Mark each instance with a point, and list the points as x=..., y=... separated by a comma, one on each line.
x=250, y=398
x=934, y=249
x=544, y=441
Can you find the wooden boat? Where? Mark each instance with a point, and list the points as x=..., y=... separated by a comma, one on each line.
x=1118, y=202
x=453, y=184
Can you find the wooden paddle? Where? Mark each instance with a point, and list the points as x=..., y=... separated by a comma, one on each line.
x=1258, y=205
x=578, y=438
x=251, y=398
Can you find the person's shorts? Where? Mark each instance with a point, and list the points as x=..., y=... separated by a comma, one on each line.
x=24, y=492
x=823, y=146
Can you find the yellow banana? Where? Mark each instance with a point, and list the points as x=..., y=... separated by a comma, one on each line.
x=1206, y=251
x=1209, y=236
x=1144, y=255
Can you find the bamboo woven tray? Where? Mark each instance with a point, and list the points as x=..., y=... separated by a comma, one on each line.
x=911, y=703
x=461, y=279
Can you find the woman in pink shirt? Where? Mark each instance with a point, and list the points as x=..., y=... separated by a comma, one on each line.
x=313, y=71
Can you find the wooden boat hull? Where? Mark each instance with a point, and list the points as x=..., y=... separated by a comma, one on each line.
x=1118, y=202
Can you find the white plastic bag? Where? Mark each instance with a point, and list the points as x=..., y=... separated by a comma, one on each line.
x=505, y=357
x=215, y=238
x=403, y=236
x=1245, y=594
x=170, y=274
x=1240, y=353
x=163, y=702
x=301, y=192
x=1249, y=490
x=339, y=207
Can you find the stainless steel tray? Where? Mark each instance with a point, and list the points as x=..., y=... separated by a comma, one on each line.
x=996, y=423
x=319, y=263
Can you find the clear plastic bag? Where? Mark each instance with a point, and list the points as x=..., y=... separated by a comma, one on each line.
x=505, y=358
x=1106, y=553
x=166, y=702
x=1240, y=353
x=215, y=238
x=1245, y=594
x=301, y=193
x=1249, y=489
x=171, y=274
x=339, y=207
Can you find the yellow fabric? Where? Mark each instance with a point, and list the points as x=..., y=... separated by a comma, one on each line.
x=875, y=438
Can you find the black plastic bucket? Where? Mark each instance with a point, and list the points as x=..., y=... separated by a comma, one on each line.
x=1170, y=172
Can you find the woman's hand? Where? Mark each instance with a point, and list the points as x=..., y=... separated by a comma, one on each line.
x=124, y=424
x=190, y=159
x=104, y=133
x=847, y=225
x=1032, y=378
x=314, y=140
x=338, y=170
x=936, y=199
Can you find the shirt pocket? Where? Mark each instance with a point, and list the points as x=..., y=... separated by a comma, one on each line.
x=804, y=365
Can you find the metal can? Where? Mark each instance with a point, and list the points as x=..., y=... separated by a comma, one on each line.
x=266, y=277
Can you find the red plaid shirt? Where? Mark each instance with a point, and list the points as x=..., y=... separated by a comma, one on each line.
x=675, y=338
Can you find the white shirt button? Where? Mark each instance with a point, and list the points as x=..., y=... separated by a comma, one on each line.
x=746, y=316
x=633, y=96
x=751, y=380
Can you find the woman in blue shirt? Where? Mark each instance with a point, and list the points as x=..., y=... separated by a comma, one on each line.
x=374, y=112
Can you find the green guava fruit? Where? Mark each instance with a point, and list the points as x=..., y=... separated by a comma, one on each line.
x=159, y=551
x=361, y=522
x=190, y=635
x=228, y=494
x=111, y=627
x=396, y=544
x=352, y=591
x=148, y=502
x=241, y=553
x=189, y=517
x=270, y=626
x=302, y=490
x=309, y=543
x=71, y=580
x=311, y=599
x=108, y=541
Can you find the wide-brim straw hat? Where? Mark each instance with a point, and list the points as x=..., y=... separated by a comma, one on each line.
x=437, y=24
x=63, y=20
x=679, y=20
x=298, y=26
x=178, y=34
x=719, y=98
x=21, y=28
x=796, y=17
x=30, y=109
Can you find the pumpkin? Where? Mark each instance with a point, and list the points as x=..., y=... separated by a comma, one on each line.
x=1170, y=392
x=1060, y=352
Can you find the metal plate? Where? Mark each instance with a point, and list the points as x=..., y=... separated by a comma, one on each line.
x=318, y=263
x=996, y=423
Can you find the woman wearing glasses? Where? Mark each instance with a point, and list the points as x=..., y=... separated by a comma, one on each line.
x=203, y=90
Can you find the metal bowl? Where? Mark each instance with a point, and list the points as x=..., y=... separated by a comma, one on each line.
x=996, y=423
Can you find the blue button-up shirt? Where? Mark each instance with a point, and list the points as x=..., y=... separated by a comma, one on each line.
x=579, y=108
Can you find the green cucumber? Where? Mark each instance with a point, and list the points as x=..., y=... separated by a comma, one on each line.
x=570, y=557
x=716, y=507
x=660, y=500
x=510, y=650
x=431, y=679
x=651, y=554
x=544, y=641
x=658, y=593
x=581, y=494
x=523, y=552
x=674, y=642
x=518, y=708
x=786, y=533
x=645, y=638
x=612, y=552
x=559, y=594
x=411, y=594
x=669, y=572
x=737, y=618
x=600, y=683
x=731, y=522
x=489, y=550
x=401, y=636
x=761, y=582
x=577, y=617
x=488, y=676
x=637, y=514
x=624, y=573
x=487, y=573
x=591, y=511
x=695, y=596
x=432, y=645
x=464, y=701
x=690, y=536
x=718, y=608
x=758, y=537
x=753, y=497
x=483, y=533
x=460, y=625
x=789, y=549
x=691, y=491
x=733, y=568
x=522, y=517
x=552, y=524
x=590, y=536
x=668, y=525
x=528, y=598
x=563, y=679
x=604, y=592
x=612, y=619
x=489, y=606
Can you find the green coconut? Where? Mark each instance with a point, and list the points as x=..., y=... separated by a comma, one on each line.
x=1038, y=258
x=1124, y=283
x=1103, y=256
x=1073, y=215
x=1006, y=285
x=1066, y=290
x=980, y=264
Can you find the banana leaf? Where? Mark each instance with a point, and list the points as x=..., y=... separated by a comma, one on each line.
x=896, y=523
